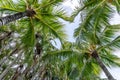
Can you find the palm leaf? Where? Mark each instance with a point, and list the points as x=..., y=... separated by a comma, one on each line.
x=29, y=37
x=110, y=60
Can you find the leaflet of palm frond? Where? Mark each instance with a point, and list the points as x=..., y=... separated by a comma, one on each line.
x=29, y=37
x=78, y=10
x=110, y=59
x=50, y=2
x=9, y=4
x=90, y=69
x=117, y=3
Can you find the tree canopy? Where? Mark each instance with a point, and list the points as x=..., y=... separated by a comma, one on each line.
x=31, y=29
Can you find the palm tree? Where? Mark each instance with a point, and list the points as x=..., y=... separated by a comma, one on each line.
x=36, y=28
x=33, y=55
x=95, y=32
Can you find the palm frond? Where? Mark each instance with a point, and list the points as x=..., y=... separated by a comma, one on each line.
x=60, y=13
x=46, y=4
x=110, y=60
x=89, y=69
x=117, y=5
x=90, y=28
x=8, y=5
x=48, y=25
x=111, y=45
x=79, y=9
x=29, y=37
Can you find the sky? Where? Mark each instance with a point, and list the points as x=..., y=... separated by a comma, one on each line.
x=69, y=27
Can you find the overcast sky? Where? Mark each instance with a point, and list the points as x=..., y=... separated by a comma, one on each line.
x=70, y=6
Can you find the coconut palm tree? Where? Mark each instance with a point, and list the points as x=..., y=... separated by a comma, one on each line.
x=95, y=31
x=34, y=27
x=37, y=27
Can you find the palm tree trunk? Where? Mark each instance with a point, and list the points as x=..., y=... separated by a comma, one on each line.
x=8, y=68
x=17, y=74
x=107, y=73
x=6, y=35
x=6, y=57
x=8, y=19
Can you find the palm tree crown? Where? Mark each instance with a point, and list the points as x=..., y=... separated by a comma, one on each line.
x=95, y=36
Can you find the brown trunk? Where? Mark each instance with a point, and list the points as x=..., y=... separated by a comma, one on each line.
x=10, y=18
x=107, y=73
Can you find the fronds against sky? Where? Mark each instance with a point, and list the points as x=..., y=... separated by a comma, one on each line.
x=72, y=60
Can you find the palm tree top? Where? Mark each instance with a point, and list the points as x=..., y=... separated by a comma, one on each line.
x=30, y=12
